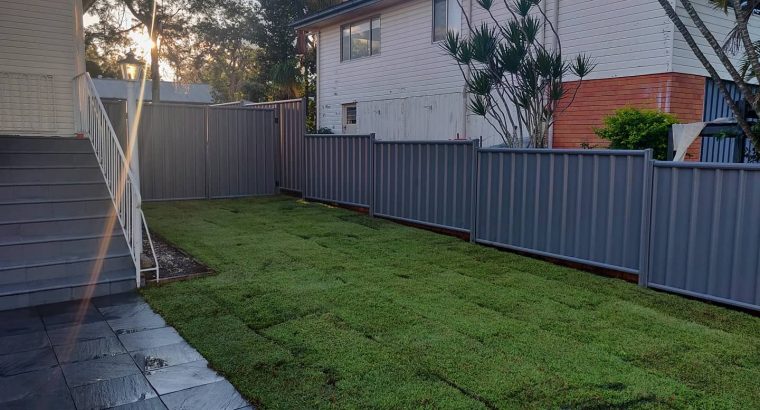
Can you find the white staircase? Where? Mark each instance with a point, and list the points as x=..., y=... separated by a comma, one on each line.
x=71, y=226
x=58, y=239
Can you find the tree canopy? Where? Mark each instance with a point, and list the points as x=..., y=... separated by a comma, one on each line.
x=245, y=49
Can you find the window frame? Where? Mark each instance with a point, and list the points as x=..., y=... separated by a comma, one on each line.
x=346, y=108
x=448, y=23
x=371, y=20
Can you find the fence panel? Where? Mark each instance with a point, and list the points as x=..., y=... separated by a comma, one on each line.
x=292, y=127
x=582, y=206
x=705, y=237
x=117, y=114
x=426, y=182
x=242, y=152
x=338, y=168
x=172, y=152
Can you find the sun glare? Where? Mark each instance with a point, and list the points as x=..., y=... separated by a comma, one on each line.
x=143, y=44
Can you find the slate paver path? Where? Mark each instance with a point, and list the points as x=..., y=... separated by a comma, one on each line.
x=111, y=352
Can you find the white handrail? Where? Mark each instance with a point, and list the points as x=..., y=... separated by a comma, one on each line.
x=125, y=193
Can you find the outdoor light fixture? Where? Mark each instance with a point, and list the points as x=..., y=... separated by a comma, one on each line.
x=131, y=67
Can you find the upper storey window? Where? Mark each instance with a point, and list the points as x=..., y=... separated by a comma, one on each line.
x=447, y=16
x=360, y=39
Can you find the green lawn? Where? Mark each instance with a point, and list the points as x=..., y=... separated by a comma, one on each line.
x=316, y=307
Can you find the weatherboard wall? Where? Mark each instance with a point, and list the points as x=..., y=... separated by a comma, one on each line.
x=41, y=51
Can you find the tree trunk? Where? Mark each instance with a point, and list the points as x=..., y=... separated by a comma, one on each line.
x=729, y=66
x=707, y=65
x=155, y=72
x=741, y=23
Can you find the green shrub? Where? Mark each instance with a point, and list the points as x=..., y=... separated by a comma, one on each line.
x=633, y=128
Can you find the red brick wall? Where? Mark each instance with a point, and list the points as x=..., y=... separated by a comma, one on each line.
x=680, y=94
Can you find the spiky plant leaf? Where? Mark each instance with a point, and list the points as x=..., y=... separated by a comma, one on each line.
x=745, y=64
x=480, y=83
x=522, y=7
x=452, y=44
x=478, y=106
x=556, y=91
x=513, y=33
x=483, y=43
x=531, y=28
x=485, y=4
x=582, y=65
x=510, y=58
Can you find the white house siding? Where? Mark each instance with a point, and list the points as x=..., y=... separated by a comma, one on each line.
x=40, y=48
x=720, y=25
x=411, y=90
x=624, y=37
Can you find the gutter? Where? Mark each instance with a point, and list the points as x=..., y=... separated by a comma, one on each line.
x=331, y=12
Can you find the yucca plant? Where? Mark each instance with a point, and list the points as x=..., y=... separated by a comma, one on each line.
x=515, y=81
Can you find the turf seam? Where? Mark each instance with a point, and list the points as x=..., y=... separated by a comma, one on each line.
x=466, y=392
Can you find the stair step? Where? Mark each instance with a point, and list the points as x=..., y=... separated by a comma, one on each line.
x=26, y=175
x=37, y=210
x=47, y=159
x=65, y=293
x=44, y=144
x=52, y=229
x=55, y=210
x=38, y=285
x=53, y=191
x=68, y=249
x=113, y=260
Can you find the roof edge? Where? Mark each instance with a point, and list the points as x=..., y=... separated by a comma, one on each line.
x=331, y=12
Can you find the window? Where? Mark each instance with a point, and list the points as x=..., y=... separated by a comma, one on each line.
x=447, y=16
x=360, y=39
x=349, y=118
x=349, y=113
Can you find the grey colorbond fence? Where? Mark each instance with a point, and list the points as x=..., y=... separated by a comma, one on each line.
x=705, y=238
x=583, y=206
x=117, y=114
x=241, y=152
x=291, y=117
x=426, y=182
x=197, y=152
x=689, y=228
x=338, y=168
x=172, y=152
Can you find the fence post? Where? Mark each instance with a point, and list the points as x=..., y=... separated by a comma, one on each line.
x=646, y=223
x=372, y=175
x=206, y=115
x=475, y=191
x=302, y=164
